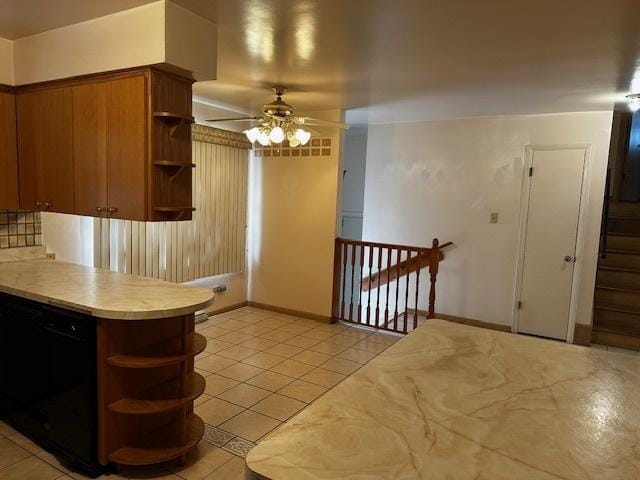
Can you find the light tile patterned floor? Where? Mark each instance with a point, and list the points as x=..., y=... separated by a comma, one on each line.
x=261, y=369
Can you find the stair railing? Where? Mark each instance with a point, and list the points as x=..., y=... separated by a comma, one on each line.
x=604, y=226
x=379, y=284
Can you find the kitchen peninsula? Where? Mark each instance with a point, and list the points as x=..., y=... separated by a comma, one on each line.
x=97, y=366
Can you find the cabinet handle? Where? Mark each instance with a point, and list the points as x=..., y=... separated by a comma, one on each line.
x=38, y=204
x=112, y=210
x=99, y=209
x=47, y=205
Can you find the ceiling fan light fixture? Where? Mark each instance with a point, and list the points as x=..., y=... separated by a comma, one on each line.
x=252, y=134
x=634, y=102
x=302, y=136
x=276, y=135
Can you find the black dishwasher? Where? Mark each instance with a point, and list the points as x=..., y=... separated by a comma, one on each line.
x=48, y=388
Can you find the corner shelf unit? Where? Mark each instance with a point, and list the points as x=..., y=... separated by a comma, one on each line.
x=161, y=446
x=145, y=399
x=170, y=156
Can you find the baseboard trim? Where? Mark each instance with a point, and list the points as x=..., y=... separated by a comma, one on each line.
x=288, y=311
x=582, y=334
x=228, y=308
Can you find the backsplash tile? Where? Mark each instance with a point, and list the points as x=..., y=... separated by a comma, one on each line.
x=20, y=228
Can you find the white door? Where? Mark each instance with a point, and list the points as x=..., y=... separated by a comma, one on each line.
x=550, y=233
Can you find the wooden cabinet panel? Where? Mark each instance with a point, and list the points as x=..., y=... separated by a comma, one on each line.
x=45, y=145
x=8, y=152
x=31, y=169
x=127, y=113
x=90, y=149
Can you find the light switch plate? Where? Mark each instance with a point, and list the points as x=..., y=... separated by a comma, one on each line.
x=494, y=217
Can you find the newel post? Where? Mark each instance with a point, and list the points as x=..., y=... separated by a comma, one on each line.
x=434, y=261
x=337, y=281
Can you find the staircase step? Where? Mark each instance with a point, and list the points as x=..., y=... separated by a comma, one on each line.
x=624, y=209
x=623, y=242
x=617, y=259
x=613, y=338
x=625, y=279
x=623, y=225
x=610, y=268
x=618, y=297
x=618, y=308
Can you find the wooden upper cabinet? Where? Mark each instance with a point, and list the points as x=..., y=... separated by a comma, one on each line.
x=45, y=146
x=127, y=159
x=8, y=152
x=90, y=148
x=115, y=144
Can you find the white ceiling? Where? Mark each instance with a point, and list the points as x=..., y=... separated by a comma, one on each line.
x=407, y=60
x=399, y=60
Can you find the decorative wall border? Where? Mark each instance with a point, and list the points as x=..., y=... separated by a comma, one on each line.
x=203, y=133
x=317, y=147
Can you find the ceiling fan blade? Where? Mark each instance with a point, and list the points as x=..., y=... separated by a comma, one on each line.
x=320, y=123
x=244, y=119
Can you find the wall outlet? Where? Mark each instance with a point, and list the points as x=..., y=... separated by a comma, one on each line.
x=220, y=288
x=494, y=217
x=51, y=256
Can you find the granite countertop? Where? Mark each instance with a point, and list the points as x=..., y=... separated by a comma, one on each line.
x=456, y=402
x=98, y=292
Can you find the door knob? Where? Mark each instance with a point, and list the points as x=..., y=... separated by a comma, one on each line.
x=569, y=258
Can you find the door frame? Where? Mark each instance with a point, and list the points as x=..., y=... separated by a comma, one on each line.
x=525, y=192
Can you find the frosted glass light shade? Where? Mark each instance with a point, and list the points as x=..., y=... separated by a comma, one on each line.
x=302, y=136
x=263, y=139
x=252, y=134
x=634, y=102
x=276, y=135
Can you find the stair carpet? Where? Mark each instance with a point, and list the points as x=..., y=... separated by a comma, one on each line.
x=616, y=319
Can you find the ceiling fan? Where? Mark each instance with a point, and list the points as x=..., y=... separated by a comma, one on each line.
x=279, y=123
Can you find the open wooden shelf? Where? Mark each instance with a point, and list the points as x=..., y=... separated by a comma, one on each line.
x=180, y=211
x=169, y=163
x=176, y=120
x=162, y=398
x=176, y=167
x=161, y=445
x=160, y=355
x=173, y=116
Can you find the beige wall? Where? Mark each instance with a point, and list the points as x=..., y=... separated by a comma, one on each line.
x=6, y=62
x=444, y=178
x=154, y=33
x=293, y=202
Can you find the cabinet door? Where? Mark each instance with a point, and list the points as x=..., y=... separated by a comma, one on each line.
x=30, y=156
x=57, y=125
x=8, y=152
x=90, y=149
x=45, y=150
x=127, y=106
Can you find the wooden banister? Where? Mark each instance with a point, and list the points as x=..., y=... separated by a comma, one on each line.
x=398, y=267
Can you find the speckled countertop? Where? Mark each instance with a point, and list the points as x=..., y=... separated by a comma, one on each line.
x=101, y=293
x=456, y=402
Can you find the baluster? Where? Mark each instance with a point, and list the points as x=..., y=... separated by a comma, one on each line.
x=406, y=292
x=378, y=293
x=345, y=252
x=395, y=315
x=369, y=291
x=415, y=313
x=433, y=272
x=360, y=283
x=386, y=307
x=353, y=271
